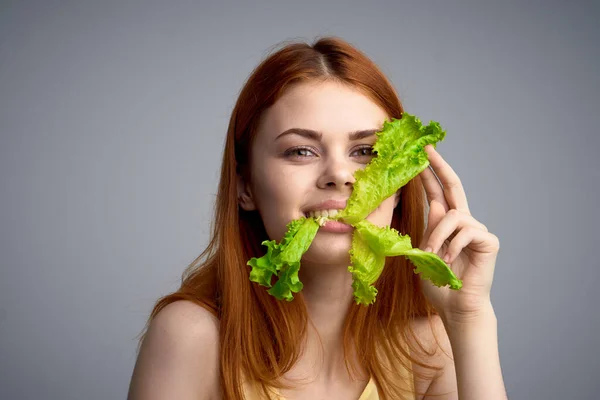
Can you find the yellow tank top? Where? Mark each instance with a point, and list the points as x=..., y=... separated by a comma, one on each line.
x=370, y=392
x=251, y=393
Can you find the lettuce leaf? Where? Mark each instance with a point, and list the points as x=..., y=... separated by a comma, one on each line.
x=400, y=157
x=283, y=260
x=388, y=242
x=366, y=267
x=385, y=241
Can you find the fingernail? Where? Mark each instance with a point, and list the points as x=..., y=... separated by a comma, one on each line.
x=446, y=257
x=428, y=249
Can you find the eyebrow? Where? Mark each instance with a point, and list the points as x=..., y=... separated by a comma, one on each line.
x=316, y=135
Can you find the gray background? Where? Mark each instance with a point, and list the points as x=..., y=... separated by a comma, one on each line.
x=112, y=122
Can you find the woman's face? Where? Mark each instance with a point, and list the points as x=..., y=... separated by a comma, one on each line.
x=292, y=172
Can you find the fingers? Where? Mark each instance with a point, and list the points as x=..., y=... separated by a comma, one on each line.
x=446, y=229
x=487, y=242
x=451, y=188
x=433, y=189
x=436, y=214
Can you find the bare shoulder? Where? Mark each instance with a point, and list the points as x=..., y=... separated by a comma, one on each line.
x=437, y=351
x=179, y=357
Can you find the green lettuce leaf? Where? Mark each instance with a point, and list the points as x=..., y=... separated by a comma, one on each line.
x=388, y=242
x=400, y=157
x=366, y=268
x=283, y=260
x=385, y=241
x=432, y=267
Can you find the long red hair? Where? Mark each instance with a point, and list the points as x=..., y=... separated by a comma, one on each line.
x=260, y=336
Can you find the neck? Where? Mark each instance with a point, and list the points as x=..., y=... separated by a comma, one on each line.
x=328, y=294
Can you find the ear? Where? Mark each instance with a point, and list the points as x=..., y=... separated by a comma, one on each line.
x=245, y=195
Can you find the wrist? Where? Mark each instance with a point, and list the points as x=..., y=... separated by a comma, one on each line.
x=484, y=316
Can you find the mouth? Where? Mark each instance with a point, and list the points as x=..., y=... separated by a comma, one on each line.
x=322, y=213
x=326, y=211
x=324, y=216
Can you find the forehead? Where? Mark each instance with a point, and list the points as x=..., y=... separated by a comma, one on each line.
x=329, y=107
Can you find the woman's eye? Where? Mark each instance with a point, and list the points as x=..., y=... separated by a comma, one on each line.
x=366, y=151
x=299, y=152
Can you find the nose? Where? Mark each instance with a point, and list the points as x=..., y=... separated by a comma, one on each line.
x=337, y=173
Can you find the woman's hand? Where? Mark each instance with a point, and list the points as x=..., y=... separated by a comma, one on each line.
x=461, y=241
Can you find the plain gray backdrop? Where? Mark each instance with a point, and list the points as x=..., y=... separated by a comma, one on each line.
x=113, y=118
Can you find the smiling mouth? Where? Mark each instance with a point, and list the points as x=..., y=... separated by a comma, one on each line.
x=324, y=216
x=323, y=213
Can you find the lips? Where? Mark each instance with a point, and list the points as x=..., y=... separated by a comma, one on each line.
x=336, y=227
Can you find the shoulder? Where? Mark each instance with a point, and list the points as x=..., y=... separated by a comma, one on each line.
x=189, y=319
x=179, y=356
x=431, y=336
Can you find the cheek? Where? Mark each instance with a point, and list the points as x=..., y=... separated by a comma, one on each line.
x=277, y=189
x=382, y=216
x=279, y=196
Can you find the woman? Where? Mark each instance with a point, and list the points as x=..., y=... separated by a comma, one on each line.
x=302, y=125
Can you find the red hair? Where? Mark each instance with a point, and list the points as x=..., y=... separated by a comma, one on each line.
x=260, y=336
